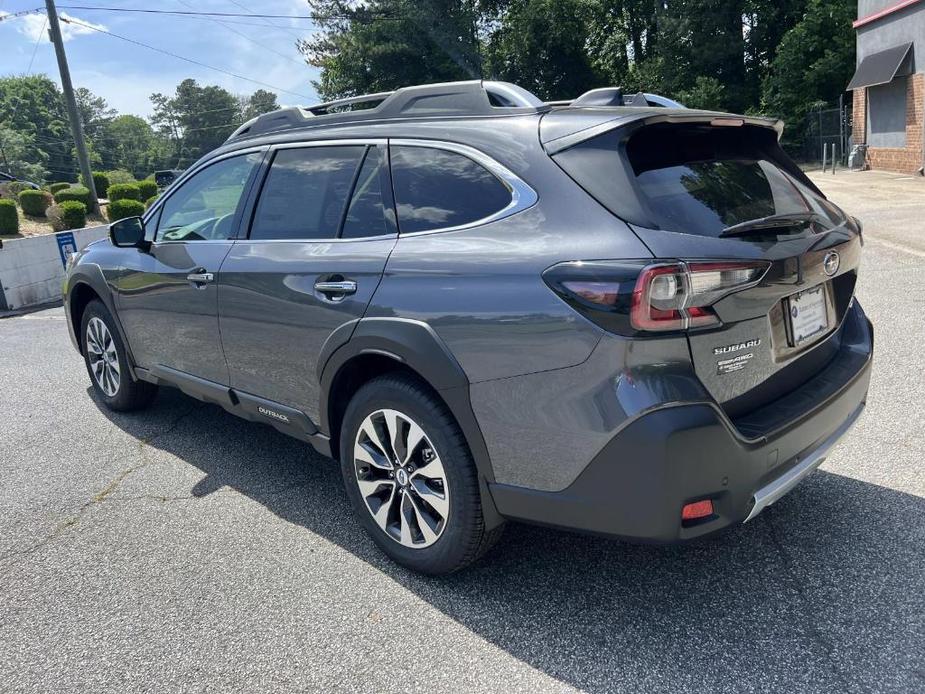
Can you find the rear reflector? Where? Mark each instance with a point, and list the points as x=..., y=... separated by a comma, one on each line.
x=697, y=510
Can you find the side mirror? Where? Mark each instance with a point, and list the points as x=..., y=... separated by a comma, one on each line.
x=128, y=233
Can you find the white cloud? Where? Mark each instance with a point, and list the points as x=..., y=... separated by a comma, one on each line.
x=34, y=26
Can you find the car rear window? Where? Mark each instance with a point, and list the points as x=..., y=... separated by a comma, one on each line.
x=701, y=179
x=438, y=189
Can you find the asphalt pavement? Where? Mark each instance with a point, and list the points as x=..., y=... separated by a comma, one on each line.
x=183, y=549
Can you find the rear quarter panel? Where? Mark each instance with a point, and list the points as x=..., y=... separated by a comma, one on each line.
x=481, y=289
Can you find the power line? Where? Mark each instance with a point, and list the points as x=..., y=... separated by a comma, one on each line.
x=267, y=22
x=310, y=17
x=248, y=38
x=71, y=20
x=36, y=46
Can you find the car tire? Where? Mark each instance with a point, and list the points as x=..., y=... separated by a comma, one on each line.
x=430, y=519
x=107, y=362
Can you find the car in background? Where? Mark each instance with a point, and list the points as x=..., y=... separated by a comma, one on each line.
x=166, y=177
x=10, y=178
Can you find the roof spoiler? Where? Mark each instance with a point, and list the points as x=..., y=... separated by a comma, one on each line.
x=556, y=139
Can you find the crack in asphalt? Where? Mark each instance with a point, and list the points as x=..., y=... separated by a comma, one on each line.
x=9, y=559
x=814, y=632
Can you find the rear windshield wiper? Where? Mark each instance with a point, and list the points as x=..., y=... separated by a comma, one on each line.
x=774, y=221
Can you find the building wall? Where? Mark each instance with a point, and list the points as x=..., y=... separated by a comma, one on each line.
x=905, y=26
x=906, y=159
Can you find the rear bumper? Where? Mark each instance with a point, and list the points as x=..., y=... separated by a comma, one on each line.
x=679, y=453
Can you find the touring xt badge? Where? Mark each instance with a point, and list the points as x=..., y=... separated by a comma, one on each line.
x=738, y=346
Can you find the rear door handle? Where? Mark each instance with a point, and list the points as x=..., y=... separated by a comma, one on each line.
x=342, y=288
x=200, y=277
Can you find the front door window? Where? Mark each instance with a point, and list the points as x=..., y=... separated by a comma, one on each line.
x=205, y=206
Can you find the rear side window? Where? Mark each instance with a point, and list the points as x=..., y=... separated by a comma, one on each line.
x=436, y=189
x=305, y=193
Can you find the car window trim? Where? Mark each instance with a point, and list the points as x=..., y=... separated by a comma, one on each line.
x=240, y=210
x=251, y=210
x=348, y=202
x=523, y=197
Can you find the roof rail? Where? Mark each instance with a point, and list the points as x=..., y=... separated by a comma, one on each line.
x=613, y=96
x=469, y=98
x=326, y=107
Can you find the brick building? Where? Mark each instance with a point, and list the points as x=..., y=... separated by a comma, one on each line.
x=889, y=84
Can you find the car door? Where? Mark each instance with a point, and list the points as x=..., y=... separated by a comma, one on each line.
x=322, y=229
x=167, y=296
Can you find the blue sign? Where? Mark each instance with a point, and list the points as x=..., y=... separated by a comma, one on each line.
x=67, y=246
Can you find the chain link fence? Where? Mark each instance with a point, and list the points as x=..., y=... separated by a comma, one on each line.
x=829, y=130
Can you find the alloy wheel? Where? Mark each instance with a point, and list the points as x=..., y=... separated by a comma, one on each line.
x=401, y=478
x=103, y=358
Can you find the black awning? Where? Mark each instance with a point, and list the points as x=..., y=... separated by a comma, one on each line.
x=882, y=67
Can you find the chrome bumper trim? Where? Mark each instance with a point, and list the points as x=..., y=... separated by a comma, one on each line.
x=770, y=493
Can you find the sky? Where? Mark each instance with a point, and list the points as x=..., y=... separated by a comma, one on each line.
x=126, y=75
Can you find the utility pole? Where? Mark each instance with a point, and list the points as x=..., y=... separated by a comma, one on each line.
x=54, y=31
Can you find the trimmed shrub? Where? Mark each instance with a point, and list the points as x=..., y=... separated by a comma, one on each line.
x=150, y=201
x=78, y=193
x=124, y=191
x=73, y=214
x=70, y=214
x=120, y=176
x=100, y=182
x=16, y=187
x=9, y=217
x=120, y=209
x=55, y=187
x=35, y=202
x=147, y=188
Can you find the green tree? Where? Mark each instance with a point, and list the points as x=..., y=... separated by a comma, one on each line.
x=813, y=64
x=707, y=92
x=94, y=112
x=381, y=45
x=20, y=157
x=542, y=46
x=195, y=119
x=133, y=145
x=258, y=103
x=34, y=107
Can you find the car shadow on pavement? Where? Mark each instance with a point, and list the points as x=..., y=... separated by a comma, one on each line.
x=822, y=592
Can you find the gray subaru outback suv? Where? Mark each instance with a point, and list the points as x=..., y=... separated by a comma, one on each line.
x=602, y=315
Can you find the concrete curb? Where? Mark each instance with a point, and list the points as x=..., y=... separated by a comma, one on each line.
x=32, y=269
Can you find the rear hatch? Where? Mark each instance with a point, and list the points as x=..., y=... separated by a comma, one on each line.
x=716, y=193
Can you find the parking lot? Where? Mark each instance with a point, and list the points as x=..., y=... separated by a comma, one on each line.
x=184, y=549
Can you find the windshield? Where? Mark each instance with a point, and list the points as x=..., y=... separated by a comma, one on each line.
x=704, y=179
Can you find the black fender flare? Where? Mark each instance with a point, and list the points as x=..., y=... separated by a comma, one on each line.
x=416, y=345
x=92, y=276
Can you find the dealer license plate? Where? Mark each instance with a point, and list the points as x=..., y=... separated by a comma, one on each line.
x=807, y=315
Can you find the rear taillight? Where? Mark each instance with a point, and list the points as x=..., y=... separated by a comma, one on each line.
x=678, y=296
x=629, y=297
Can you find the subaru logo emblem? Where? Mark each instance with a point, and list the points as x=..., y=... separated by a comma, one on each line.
x=830, y=263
